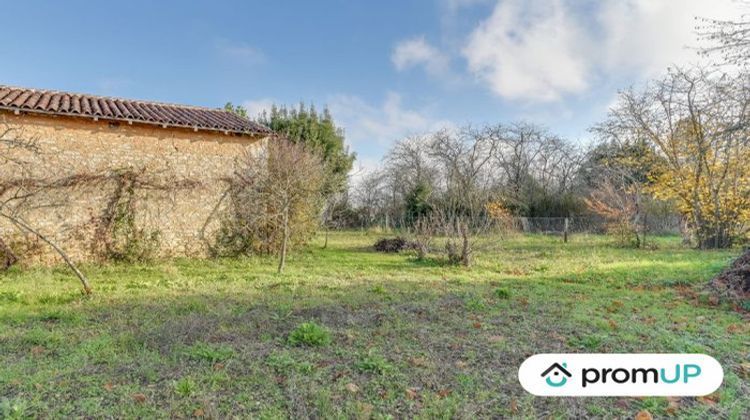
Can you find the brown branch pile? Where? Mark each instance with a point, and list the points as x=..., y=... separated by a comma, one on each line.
x=734, y=282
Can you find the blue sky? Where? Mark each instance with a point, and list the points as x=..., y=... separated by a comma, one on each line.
x=386, y=69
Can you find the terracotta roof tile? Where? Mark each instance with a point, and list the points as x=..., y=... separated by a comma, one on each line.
x=117, y=109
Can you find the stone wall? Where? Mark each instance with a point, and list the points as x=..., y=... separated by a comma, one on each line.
x=186, y=172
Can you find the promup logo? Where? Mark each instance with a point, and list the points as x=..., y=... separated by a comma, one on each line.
x=556, y=375
x=620, y=375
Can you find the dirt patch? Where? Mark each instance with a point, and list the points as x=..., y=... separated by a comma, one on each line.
x=734, y=282
x=185, y=330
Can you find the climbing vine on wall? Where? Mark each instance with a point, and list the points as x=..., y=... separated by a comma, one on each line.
x=118, y=235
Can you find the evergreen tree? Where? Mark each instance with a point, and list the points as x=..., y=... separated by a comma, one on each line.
x=317, y=131
x=417, y=202
x=237, y=109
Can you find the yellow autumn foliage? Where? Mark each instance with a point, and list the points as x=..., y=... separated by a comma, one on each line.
x=706, y=175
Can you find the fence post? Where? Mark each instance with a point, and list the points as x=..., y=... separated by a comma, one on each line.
x=565, y=232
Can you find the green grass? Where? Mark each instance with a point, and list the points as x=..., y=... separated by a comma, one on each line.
x=400, y=337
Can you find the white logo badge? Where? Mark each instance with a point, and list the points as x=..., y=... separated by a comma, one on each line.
x=570, y=375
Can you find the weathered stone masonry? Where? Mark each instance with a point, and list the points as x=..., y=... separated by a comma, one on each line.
x=197, y=162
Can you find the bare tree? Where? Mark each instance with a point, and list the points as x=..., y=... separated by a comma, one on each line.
x=535, y=165
x=18, y=154
x=464, y=158
x=408, y=163
x=372, y=197
x=334, y=209
x=697, y=122
x=277, y=193
x=619, y=202
x=729, y=39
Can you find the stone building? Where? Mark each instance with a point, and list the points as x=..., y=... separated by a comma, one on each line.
x=107, y=170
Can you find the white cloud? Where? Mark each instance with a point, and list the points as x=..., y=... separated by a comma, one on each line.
x=646, y=36
x=529, y=50
x=256, y=107
x=543, y=50
x=366, y=124
x=418, y=52
x=369, y=128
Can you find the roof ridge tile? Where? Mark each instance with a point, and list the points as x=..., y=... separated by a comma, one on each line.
x=95, y=106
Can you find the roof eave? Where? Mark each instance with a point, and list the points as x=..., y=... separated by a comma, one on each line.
x=162, y=125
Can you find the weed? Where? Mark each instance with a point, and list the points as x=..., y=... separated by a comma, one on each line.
x=474, y=304
x=310, y=334
x=374, y=362
x=11, y=297
x=59, y=299
x=501, y=293
x=378, y=289
x=13, y=409
x=588, y=342
x=281, y=361
x=185, y=387
x=209, y=352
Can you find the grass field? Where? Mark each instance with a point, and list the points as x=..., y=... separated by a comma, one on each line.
x=191, y=338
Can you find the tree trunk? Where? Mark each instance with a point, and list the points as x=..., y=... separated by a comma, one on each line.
x=7, y=257
x=284, y=240
x=84, y=281
x=465, y=245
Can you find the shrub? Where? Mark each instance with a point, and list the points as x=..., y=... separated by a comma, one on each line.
x=501, y=293
x=7, y=256
x=624, y=233
x=309, y=334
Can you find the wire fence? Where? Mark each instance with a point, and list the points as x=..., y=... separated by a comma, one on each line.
x=663, y=225
x=651, y=225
